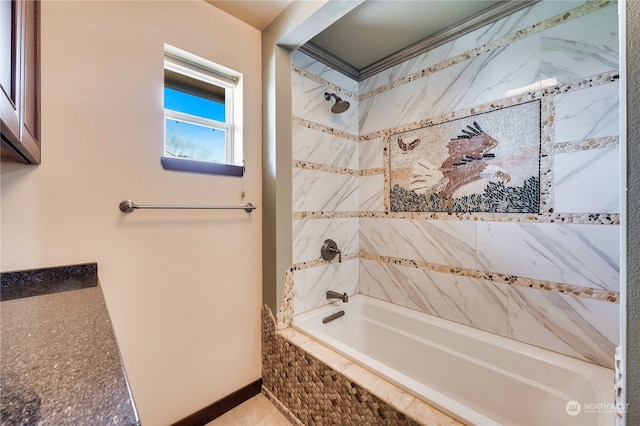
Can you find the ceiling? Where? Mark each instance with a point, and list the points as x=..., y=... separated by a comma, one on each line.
x=257, y=13
x=378, y=34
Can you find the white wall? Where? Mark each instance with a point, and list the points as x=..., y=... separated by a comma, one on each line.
x=183, y=287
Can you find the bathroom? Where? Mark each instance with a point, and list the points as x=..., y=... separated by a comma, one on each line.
x=184, y=289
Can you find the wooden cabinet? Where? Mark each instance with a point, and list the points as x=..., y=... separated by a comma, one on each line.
x=20, y=80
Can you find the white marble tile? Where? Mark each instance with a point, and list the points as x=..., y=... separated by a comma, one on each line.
x=445, y=242
x=371, y=193
x=318, y=109
x=587, y=181
x=523, y=18
x=297, y=94
x=323, y=71
x=402, y=104
x=583, y=328
x=585, y=255
x=308, y=236
x=447, y=88
x=582, y=47
x=587, y=113
x=322, y=191
x=323, y=148
x=477, y=303
x=340, y=277
x=496, y=74
x=418, y=63
x=443, y=52
x=371, y=154
x=384, y=281
x=374, y=236
x=299, y=291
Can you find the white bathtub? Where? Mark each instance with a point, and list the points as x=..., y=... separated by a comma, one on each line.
x=476, y=377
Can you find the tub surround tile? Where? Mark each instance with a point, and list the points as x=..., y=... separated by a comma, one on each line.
x=524, y=18
x=326, y=355
x=578, y=327
x=388, y=392
x=318, y=109
x=312, y=392
x=391, y=108
x=459, y=264
x=322, y=72
x=374, y=236
x=299, y=291
x=340, y=277
x=370, y=154
x=443, y=242
x=587, y=114
x=583, y=255
x=498, y=278
x=477, y=303
x=315, y=146
x=322, y=191
x=585, y=46
x=587, y=181
x=384, y=281
x=309, y=235
x=495, y=75
x=371, y=192
x=427, y=415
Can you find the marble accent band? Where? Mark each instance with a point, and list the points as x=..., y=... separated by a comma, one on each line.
x=307, y=165
x=568, y=218
x=591, y=81
x=575, y=290
x=596, y=143
x=322, y=81
x=577, y=12
x=325, y=129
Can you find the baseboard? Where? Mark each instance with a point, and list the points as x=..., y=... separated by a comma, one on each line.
x=218, y=408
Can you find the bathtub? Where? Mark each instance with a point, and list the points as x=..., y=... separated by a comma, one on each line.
x=474, y=376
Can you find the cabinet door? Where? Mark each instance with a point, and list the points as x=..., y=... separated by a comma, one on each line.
x=9, y=71
x=20, y=80
x=30, y=134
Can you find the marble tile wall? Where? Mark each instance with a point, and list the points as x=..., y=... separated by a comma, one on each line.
x=550, y=279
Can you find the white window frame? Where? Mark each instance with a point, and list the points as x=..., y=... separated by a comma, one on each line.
x=194, y=67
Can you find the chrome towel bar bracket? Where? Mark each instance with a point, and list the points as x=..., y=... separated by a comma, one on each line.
x=128, y=206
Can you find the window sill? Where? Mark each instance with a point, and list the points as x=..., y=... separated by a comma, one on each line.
x=192, y=166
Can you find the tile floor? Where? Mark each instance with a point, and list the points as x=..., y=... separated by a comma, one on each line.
x=257, y=411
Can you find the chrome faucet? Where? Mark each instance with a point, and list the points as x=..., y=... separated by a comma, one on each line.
x=335, y=295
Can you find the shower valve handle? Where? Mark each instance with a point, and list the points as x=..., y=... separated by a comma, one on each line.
x=329, y=250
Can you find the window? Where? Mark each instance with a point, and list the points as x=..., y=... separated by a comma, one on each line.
x=202, y=103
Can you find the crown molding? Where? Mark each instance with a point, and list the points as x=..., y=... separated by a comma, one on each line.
x=492, y=14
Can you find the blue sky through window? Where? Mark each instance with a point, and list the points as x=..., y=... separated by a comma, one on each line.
x=189, y=140
x=194, y=105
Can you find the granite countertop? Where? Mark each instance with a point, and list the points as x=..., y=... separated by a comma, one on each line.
x=60, y=361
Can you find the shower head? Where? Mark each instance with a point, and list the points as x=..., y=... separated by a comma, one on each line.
x=339, y=106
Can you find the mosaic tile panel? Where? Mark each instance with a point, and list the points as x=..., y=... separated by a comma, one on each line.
x=488, y=163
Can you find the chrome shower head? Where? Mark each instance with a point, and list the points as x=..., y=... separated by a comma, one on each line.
x=339, y=106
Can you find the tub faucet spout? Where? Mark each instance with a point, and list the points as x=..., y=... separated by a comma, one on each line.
x=335, y=295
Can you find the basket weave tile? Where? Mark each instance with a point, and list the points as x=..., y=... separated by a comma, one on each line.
x=313, y=392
